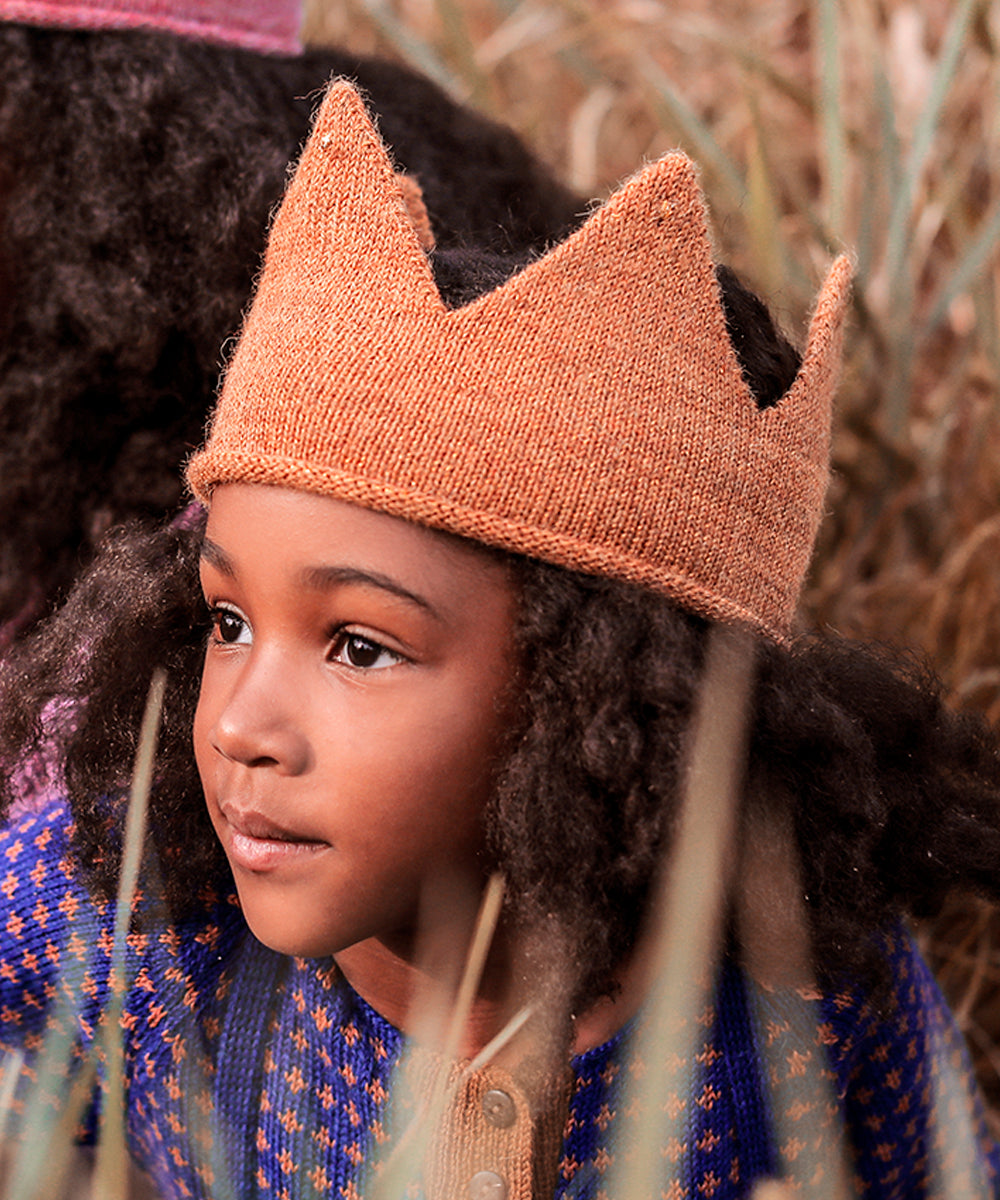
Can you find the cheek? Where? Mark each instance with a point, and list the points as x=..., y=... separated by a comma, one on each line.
x=419, y=777
x=455, y=760
x=204, y=717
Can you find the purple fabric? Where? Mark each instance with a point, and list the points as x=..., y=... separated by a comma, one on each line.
x=38, y=778
x=190, y=517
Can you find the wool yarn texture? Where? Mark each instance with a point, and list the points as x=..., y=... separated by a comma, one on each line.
x=271, y=26
x=590, y=412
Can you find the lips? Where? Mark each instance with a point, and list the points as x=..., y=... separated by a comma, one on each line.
x=255, y=843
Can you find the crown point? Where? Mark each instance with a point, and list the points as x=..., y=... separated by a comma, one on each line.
x=590, y=411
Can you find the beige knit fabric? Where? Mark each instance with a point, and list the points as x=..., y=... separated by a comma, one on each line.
x=590, y=412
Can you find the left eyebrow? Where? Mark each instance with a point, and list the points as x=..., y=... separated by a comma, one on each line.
x=218, y=558
x=323, y=578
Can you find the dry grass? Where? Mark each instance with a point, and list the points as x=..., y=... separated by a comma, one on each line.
x=870, y=125
x=818, y=125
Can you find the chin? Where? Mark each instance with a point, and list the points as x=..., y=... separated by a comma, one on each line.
x=277, y=933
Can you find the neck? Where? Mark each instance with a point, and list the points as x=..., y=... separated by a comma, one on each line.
x=418, y=1000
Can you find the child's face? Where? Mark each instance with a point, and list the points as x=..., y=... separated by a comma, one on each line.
x=351, y=710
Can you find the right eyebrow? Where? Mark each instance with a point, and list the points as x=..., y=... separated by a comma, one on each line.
x=322, y=578
x=218, y=558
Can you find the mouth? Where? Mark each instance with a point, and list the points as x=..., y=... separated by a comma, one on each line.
x=255, y=843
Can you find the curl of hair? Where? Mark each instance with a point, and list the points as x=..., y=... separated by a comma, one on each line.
x=585, y=800
x=73, y=692
x=894, y=799
x=137, y=174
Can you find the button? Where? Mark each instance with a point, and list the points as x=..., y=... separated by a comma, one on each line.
x=487, y=1185
x=498, y=1109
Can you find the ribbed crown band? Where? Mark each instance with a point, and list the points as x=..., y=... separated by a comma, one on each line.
x=267, y=25
x=590, y=412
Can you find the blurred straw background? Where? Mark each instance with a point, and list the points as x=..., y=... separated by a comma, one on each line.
x=862, y=124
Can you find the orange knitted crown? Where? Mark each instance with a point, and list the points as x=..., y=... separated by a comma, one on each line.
x=590, y=412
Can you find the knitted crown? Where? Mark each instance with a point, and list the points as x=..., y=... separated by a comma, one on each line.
x=269, y=25
x=590, y=412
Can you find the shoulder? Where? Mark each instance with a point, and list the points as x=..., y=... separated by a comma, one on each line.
x=40, y=888
x=893, y=1066
x=907, y=1020
x=58, y=938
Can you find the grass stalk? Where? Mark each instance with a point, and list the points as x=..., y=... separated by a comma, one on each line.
x=673, y=110
x=407, y=1156
x=413, y=49
x=926, y=130
x=461, y=51
x=976, y=259
x=54, y=1110
x=691, y=903
x=482, y=938
x=831, y=113
x=111, y=1167
x=762, y=209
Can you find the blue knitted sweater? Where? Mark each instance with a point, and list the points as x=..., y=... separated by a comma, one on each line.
x=249, y=1073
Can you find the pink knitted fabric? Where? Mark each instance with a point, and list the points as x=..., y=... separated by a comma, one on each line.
x=268, y=25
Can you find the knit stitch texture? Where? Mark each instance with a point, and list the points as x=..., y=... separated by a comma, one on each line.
x=271, y=1075
x=267, y=25
x=590, y=412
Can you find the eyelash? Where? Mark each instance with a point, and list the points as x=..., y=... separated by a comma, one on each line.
x=216, y=615
x=342, y=641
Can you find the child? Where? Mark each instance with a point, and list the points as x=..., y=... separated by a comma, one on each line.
x=143, y=145
x=461, y=568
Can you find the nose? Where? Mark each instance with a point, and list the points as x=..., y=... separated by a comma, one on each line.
x=259, y=724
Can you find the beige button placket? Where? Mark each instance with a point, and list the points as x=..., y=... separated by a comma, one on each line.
x=497, y=1139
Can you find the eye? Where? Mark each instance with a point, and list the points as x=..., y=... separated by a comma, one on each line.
x=230, y=627
x=362, y=653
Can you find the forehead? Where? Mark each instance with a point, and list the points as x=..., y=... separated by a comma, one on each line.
x=279, y=530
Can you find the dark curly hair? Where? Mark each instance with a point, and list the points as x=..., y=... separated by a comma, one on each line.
x=891, y=798
x=894, y=800
x=137, y=174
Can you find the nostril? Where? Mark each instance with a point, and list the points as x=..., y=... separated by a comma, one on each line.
x=270, y=748
x=246, y=760
x=240, y=748
x=252, y=720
